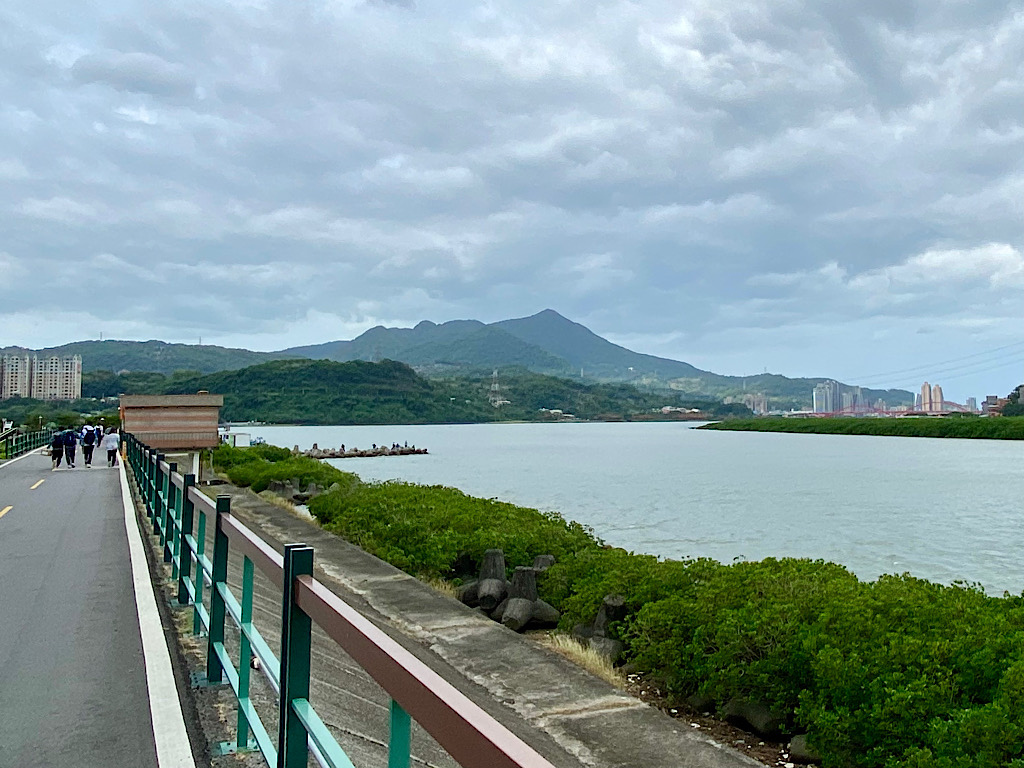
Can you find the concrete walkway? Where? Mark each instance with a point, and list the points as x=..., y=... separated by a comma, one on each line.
x=74, y=680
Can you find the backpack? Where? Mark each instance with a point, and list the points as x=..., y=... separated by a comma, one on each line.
x=57, y=441
x=89, y=438
x=70, y=438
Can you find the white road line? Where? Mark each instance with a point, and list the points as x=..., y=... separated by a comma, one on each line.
x=173, y=749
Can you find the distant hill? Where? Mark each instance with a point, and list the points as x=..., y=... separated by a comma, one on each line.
x=359, y=392
x=154, y=356
x=545, y=343
x=325, y=392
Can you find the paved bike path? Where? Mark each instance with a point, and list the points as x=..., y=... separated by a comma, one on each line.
x=73, y=683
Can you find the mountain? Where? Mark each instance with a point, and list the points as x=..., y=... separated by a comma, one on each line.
x=154, y=356
x=545, y=343
x=551, y=344
x=584, y=349
x=459, y=344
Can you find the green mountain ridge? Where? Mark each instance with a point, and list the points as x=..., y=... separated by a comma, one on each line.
x=390, y=392
x=545, y=343
x=153, y=356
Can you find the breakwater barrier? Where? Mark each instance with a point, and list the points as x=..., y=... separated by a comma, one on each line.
x=354, y=453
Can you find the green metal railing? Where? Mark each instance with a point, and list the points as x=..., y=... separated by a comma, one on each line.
x=179, y=512
x=15, y=445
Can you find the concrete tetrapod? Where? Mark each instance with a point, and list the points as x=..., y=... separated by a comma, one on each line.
x=492, y=587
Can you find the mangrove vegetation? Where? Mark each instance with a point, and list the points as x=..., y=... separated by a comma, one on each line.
x=893, y=673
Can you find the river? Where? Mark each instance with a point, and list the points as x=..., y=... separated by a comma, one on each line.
x=944, y=510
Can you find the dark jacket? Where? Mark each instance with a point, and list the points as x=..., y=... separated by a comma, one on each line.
x=70, y=438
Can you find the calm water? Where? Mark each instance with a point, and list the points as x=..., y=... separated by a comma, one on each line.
x=940, y=509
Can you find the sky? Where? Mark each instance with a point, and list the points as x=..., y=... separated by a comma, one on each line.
x=813, y=189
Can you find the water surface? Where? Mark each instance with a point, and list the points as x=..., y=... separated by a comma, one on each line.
x=941, y=509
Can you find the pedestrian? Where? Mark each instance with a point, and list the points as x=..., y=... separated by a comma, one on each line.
x=70, y=441
x=88, y=444
x=57, y=448
x=111, y=441
x=99, y=434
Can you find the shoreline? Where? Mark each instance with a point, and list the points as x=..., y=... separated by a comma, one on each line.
x=960, y=427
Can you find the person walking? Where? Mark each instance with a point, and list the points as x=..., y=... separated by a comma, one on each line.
x=56, y=448
x=110, y=443
x=70, y=442
x=88, y=444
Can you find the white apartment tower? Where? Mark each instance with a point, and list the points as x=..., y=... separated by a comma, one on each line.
x=42, y=378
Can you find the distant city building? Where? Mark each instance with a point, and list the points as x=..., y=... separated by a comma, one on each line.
x=46, y=378
x=820, y=399
x=926, y=397
x=972, y=404
x=826, y=397
x=937, y=400
x=758, y=403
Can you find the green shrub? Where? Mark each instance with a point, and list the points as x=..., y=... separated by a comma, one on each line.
x=256, y=467
x=426, y=530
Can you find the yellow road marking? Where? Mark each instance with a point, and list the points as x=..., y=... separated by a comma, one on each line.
x=37, y=484
x=5, y=510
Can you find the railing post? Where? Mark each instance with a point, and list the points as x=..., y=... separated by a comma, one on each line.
x=244, y=656
x=200, y=580
x=170, y=516
x=399, y=743
x=184, y=554
x=296, y=628
x=214, y=669
x=158, y=511
x=150, y=484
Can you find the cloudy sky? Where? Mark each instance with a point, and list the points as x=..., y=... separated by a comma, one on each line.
x=826, y=189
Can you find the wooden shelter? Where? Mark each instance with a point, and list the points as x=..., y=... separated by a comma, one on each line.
x=173, y=422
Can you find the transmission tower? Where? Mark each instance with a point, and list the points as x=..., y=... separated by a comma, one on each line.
x=495, y=397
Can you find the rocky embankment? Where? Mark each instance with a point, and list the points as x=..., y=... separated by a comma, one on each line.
x=353, y=453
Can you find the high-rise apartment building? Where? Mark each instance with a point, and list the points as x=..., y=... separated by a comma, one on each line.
x=926, y=397
x=15, y=376
x=937, y=398
x=46, y=378
x=827, y=397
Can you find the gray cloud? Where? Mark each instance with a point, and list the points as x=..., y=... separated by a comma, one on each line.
x=654, y=170
x=135, y=72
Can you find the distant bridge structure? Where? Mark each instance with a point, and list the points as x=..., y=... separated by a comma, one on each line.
x=947, y=408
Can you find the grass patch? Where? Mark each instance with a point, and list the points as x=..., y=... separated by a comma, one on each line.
x=583, y=656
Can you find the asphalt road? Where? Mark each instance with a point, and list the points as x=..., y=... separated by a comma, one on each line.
x=72, y=674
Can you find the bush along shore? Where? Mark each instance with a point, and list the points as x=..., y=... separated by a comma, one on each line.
x=965, y=426
x=894, y=673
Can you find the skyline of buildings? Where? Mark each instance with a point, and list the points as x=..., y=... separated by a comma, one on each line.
x=41, y=378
